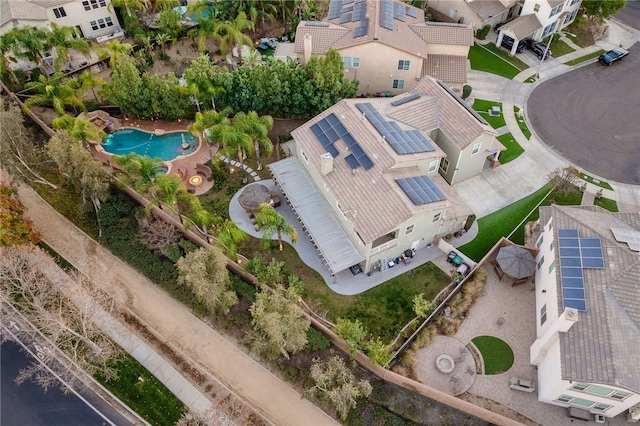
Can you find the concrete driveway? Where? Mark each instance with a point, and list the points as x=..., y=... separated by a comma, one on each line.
x=589, y=115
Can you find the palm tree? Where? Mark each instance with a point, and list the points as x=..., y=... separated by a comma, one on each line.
x=231, y=137
x=62, y=39
x=50, y=91
x=257, y=127
x=229, y=33
x=229, y=236
x=7, y=42
x=79, y=129
x=168, y=190
x=90, y=80
x=271, y=222
x=28, y=44
x=162, y=40
x=205, y=121
x=141, y=169
x=129, y=5
x=117, y=49
x=205, y=29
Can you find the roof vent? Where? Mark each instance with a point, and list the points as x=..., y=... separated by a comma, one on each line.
x=326, y=163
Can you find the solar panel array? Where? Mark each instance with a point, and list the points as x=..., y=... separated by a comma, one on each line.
x=390, y=10
x=575, y=254
x=404, y=100
x=330, y=129
x=421, y=190
x=350, y=11
x=402, y=141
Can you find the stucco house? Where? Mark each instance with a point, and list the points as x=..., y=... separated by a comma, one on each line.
x=386, y=45
x=587, y=349
x=364, y=178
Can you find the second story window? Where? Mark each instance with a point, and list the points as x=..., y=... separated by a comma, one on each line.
x=59, y=12
x=404, y=64
x=93, y=4
x=556, y=10
x=101, y=23
x=398, y=84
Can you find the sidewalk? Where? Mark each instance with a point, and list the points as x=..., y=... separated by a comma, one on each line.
x=268, y=395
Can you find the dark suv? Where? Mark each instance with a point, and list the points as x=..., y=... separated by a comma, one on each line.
x=507, y=43
x=538, y=48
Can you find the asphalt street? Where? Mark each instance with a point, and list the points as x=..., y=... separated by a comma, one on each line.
x=590, y=116
x=27, y=404
x=630, y=14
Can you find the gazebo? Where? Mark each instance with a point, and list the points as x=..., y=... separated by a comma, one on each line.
x=516, y=262
x=254, y=195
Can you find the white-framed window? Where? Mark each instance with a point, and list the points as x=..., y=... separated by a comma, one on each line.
x=540, y=240
x=444, y=165
x=432, y=166
x=552, y=266
x=101, y=23
x=551, y=247
x=556, y=10
x=570, y=16
x=603, y=391
x=549, y=29
x=580, y=386
x=436, y=217
x=476, y=148
x=564, y=398
x=346, y=61
x=404, y=64
x=536, y=7
x=409, y=230
x=573, y=2
x=398, y=84
x=541, y=262
x=355, y=63
x=93, y=4
x=620, y=395
x=543, y=314
x=59, y=12
x=601, y=407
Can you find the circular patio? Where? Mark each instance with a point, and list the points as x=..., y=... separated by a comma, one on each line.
x=446, y=364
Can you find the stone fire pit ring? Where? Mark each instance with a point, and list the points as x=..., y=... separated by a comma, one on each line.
x=445, y=364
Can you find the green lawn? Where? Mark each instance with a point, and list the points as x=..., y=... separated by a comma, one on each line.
x=490, y=58
x=584, y=58
x=496, y=354
x=522, y=123
x=141, y=391
x=513, y=148
x=594, y=181
x=531, y=79
x=559, y=47
x=606, y=203
x=482, y=106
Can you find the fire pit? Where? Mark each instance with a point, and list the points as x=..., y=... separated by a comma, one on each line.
x=195, y=180
x=445, y=363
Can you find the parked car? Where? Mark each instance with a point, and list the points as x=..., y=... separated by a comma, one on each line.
x=538, y=48
x=612, y=56
x=507, y=43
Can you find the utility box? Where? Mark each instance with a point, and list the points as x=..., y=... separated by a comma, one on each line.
x=578, y=414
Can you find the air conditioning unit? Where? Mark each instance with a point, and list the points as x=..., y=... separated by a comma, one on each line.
x=600, y=418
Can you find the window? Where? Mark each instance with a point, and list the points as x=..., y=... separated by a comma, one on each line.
x=59, y=12
x=94, y=4
x=564, y=398
x=556, y=10
x=398, y=84
x=540, y=240
x=356, y=63
x=551, y=247
x=436, y=217
x=101, y=23
x=476, y=148
x=552, y=266
x=404, y=64
x=601, y=391
x=549, y=29
x=570, y=17
x=444, y=165
x=543, y=314
x=536, y=7
x=580, y=386
x=346, y=61
x=409, y=230
x=541, y=262
x=433, y=166
x=619, y=395
x=601, y=407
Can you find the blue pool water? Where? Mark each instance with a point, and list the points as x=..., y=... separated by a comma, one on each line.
x=166, y=147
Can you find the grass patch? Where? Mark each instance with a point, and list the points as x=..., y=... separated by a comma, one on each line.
x=514, y=150
x=558, y=47
x=606, y=203
x=482, y=106
x=594, y=181
x=584, y=58
x=521, y=122
x=496, y=354
x=490, y=58
x=141, y=391
x=578, y=32
x=531, y=79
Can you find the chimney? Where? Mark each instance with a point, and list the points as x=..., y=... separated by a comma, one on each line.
x=326, y=163
x=307, y=48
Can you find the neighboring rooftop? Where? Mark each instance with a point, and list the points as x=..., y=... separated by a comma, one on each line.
x=487, y=9
x=523, y=26
x=21, y=10
x=602, y=347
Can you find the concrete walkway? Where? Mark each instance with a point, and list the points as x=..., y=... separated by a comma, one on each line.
x=268, y=395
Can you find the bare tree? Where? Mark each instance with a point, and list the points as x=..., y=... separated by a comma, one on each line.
x=335, y=382
x=229, y=412
x=18, y=152
x=158, y=235
x=66, y=309
x=564, y=181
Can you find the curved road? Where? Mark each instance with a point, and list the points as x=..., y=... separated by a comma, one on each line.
x=590, y=115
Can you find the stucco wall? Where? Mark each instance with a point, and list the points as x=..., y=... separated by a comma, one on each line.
x=76, y=15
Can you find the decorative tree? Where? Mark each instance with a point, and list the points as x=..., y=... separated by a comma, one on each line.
x=229, y=33
x=62, y=39
x=52, y=91
x=271, y=222
x=353, y=333
x=257, y=127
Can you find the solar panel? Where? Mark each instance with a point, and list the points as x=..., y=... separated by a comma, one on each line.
x=399, y=12
x=574, y=282
x=405, y=99
x=421, y=190
x=330, y=129
x=386, y=15
x=592, y=262
x=413, y=12
x=334, y=9
x=571, y=272
x=573, y=293
x=359, y=12
x=629, y=236
x=567, y=233
x=356, y=150
x=569, y=242
x=569, y=252
x=580, y=305
x=345, y=17
x=366, y=162
x=573, y=262
x=331, y=149
x=359, y=31
x=351, y=161
x=316, y=130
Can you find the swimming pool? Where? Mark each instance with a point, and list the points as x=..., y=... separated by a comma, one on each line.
x=167, y=147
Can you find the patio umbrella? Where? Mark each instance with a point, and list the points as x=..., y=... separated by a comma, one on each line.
x=253, y=196
x=517, y=262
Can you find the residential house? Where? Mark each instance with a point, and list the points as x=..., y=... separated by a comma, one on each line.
x=364, y=179
x=587, y=349
x=387, y=45
x=476, y=13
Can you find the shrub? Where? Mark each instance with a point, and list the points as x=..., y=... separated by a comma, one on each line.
x=317, y=341
x=466, y=91
x=448, y=326
x=482, y=33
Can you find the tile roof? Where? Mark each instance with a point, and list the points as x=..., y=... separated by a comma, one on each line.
x=21, y=9
x=373, y=202
x=322, y=38
x=455, y=118
x=50, y=3
x=602, y=347
x=444, y=33
x=448, y=68
x=523, y=26
x=487, y=9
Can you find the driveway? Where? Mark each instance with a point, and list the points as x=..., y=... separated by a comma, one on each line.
x=589, y=115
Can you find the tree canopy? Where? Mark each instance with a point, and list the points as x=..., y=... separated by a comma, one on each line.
x=603, y=9
x=15, y=229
